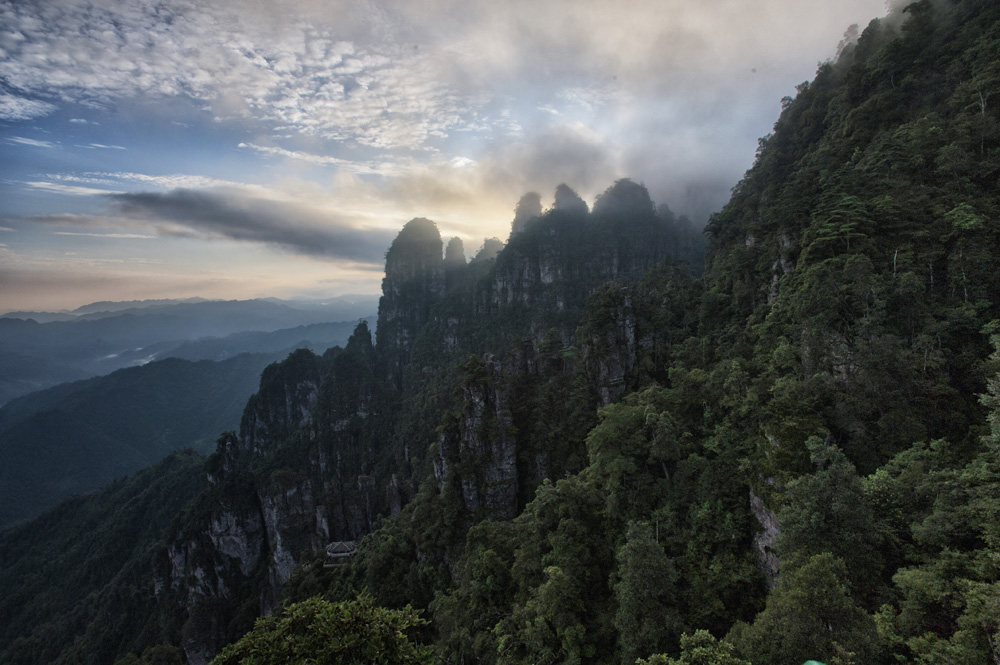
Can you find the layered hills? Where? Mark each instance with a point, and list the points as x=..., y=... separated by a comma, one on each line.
x=39, y=350
x=77, y=437
x=575, y=449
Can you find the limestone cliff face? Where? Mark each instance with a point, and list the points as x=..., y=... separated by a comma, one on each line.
x=764, y=540
x=557, y=260
x=298, y=476
x=478, y=449
x=414, y=281
x=610, y=340
x=208, y=568
x=628, y=330
x=330, y=443
x=284, y=403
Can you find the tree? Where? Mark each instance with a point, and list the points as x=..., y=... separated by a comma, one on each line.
x=454, y=253
x=569, y=201
x=318, y=632
x=701, y=648
x=810, y=614
x=826, y=511
x=647, y=618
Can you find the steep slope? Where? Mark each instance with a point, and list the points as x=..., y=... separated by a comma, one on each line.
x=77, y=437
x=855, y=263
x=810, y=477
x=84, y=572
x=331, y=443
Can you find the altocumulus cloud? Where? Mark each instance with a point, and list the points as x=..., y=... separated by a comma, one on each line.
x=285, y=225
x=370, y=87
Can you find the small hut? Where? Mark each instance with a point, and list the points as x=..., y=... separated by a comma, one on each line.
x=340, y=553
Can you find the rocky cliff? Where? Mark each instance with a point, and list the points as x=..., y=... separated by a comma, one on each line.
x=331, y=442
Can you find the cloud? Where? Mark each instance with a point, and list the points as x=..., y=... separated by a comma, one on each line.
x=71, y=190
x=355, y=167
x=168, y=181
x=127, y=236
x=287, y=72
x=70, y=219
x=477, y=198
x=395, y=90
x=14, y=108
x=8, y=229
x=20, y=140
x=102, y=146
x=291, y=227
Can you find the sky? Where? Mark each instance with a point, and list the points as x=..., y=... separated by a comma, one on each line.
x=265, y=148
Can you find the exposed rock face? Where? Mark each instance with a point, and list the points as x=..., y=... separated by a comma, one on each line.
x=624, y=340
x=321, y=453
x=528, y=208
x=609, y=346
x=241, y=538
x=480, y=447
x=294, y=527
x=763, y=542
x=285, y=402
x=210, y=566
x=413, y=283
x=297, y=477
x=558, y=259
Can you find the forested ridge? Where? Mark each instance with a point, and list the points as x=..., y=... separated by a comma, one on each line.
x=576, y=449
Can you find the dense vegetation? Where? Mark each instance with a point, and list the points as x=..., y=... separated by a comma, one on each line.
x=79, y=436
x=80, y=574
x=353, y=632
x=573, y=450
x=832, y=380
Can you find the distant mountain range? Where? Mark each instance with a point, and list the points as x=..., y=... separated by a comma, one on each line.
x=42, y=349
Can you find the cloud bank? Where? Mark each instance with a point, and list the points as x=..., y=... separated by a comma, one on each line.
x=316, y=128
x=294, y=228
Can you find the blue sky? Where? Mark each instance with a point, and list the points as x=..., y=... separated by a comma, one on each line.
x=232, y=149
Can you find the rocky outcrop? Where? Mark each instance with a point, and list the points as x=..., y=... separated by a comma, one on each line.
x=528, y=208
x=284, y=404
x=330, y=443
x=628, y=330
x=479, y=448
x=413, y=283
x=209, y=569
x=764, y=540
x=609, y=338
x=298, y=476
x=295, y=524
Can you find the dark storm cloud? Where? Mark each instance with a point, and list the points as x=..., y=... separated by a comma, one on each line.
x=288, y=226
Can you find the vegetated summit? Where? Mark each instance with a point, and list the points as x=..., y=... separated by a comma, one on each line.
x=572, y=450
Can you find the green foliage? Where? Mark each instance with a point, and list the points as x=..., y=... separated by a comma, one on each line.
x=700, y=648
x=102, y=551
x=78, y=437
x=647, y=618
x=316, y=631
x=819, y=384
x=810, y=614
x=827, y=511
